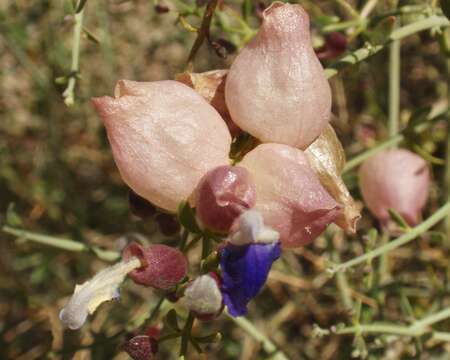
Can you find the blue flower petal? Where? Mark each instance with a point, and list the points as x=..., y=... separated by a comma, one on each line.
x=244, y=272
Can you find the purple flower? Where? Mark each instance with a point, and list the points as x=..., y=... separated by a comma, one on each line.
x=244, y=270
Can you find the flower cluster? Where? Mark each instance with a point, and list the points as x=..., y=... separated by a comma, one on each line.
x=171, y=141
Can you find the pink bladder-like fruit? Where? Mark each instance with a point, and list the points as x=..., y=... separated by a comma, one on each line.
x=395, y=179
x=289, y=194
x=164, y=137
x=276, y=89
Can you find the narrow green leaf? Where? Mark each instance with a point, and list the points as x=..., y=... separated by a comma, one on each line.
x=186, y=217
x=445, y=5
x=91, y=36
x=80, y=6
x=398, y=219
x=12, y=218
x=171, y=320
x=212, y=338
x=247, y=9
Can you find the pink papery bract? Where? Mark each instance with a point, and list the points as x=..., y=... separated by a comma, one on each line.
x=397, y=179
x=162, y=266
x=289, y=194
x=164, y=137
x=222, y=195
x=276, y=89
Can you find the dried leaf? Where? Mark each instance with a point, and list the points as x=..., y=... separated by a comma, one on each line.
x=326, y=156
x=211, y=85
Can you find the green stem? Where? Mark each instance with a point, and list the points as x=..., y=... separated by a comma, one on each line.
x=60, y=243
x=342, y=284
x=402, y=240
x=186, y=334
x=347, y=7
x=355, y=161
x=418, y=328
x=267, y=344
x=394, y=87
x=400, y=33
x=432, y=319
x=68, y=94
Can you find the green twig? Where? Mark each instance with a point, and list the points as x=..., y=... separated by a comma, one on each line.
x=400, y=33
x=267, y=344
x=68, y=94
x=61, y=243
x=348, y=8
x=417, y=328
x=402, y=240
x=394, y=87
x=355, y=161
x=186, y=335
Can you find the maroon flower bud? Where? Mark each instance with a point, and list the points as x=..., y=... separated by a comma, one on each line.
x=141, y=347
x=162, y=266
x=222, y=195
x=139, y=206
x=161, y=8
x=153, y=332
x=335, y=45
x=168, y=224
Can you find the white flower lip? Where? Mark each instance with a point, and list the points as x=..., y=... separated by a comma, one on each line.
x=104, y=286
x=203, y=296
x=252, y=230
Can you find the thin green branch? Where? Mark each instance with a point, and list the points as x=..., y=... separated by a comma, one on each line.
x=69, y=93
x=402, y=240
x=266, y=343
x=400, y=33
x=61, y=243
x=355, y=161
x=186, y=335
x=394, y=87
x=418, y=328
x=358, y=159
x=348, y=8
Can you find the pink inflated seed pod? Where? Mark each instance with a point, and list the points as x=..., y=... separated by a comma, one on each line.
x=222, y=195
x=289, y=194
x=164, y=137
x=276, y=89
x=395, y=179
x=162, y=266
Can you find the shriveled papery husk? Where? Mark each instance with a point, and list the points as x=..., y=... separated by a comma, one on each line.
x=326, y=156
x=211, y=85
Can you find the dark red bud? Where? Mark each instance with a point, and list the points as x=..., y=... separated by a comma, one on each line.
x=222, y=195
x=335, y=45
x=168, y=224
x=139, y=206
x=141, y=347
x=153, y=332
x=259, y=9
x=162, y=266
x=223, y=47
x=161, y=8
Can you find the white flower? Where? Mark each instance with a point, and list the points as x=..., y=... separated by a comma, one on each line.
x=203, y=296
x=252, y=230
x=86, y=297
